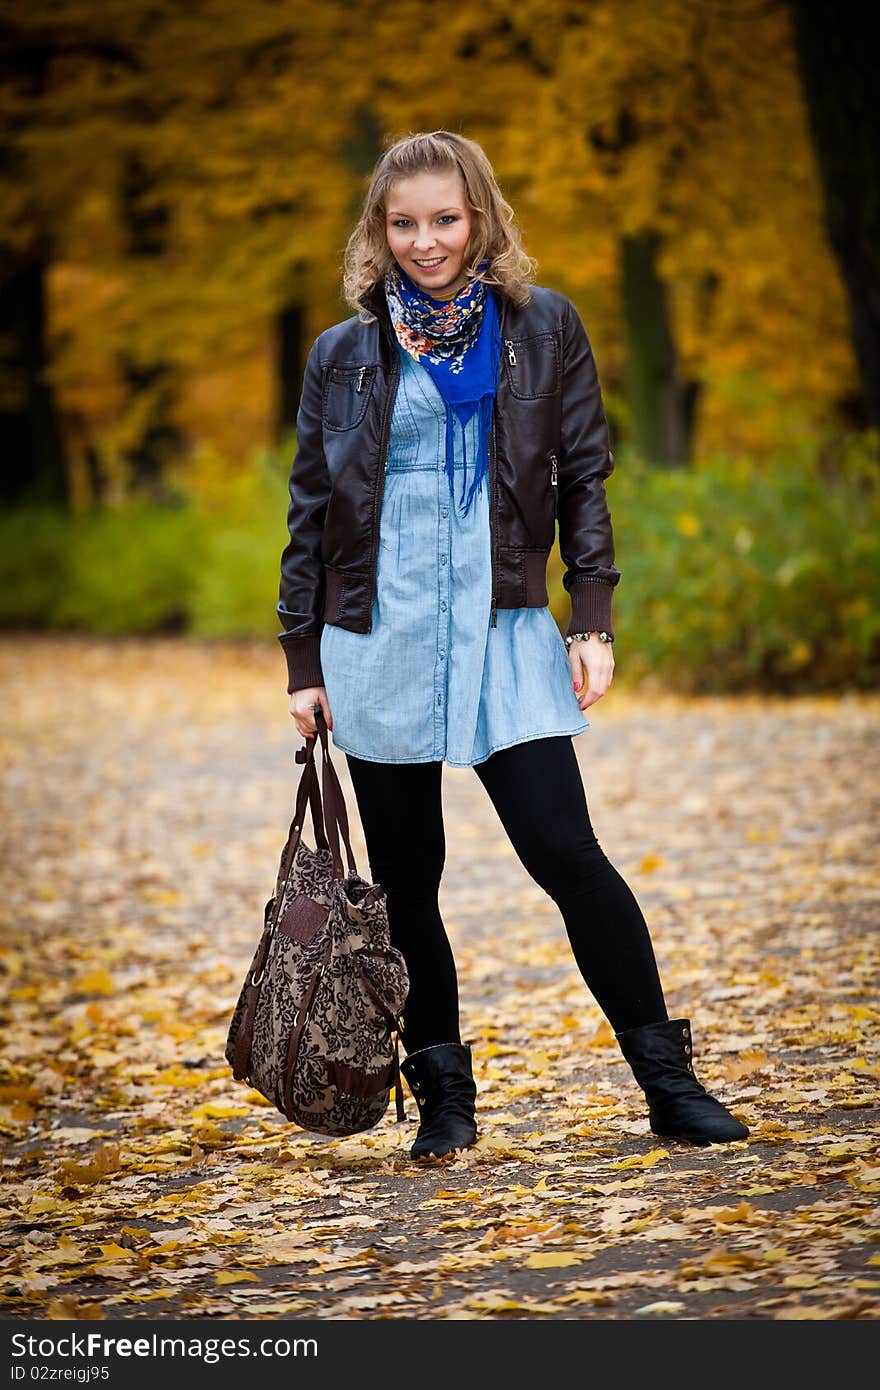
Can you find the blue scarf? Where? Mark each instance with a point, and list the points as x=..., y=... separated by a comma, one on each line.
x=458, y=340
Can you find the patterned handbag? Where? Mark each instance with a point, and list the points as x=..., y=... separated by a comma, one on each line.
x=316, y=1026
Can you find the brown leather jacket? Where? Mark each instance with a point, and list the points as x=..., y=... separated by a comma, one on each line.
x=548, y=460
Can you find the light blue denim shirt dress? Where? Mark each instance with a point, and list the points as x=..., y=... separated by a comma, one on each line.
x=433, y=681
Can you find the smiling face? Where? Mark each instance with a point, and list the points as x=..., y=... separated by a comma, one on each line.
x=428, y=226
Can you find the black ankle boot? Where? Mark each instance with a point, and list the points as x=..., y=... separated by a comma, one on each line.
x=441, y=1079
x=678, y=1106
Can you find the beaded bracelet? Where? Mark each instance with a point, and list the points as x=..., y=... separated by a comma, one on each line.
x=582, y=637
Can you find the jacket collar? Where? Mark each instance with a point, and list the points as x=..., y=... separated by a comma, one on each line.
x=373, y=298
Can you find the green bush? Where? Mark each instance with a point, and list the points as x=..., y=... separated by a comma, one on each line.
x=131, y=569
x=107, y=570
x=738, y=576
x=236, y=589
x=186, y=566
x=735, y=575
x=35, y=545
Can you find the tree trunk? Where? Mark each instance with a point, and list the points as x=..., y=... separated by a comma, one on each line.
x=33, y=454
x=161, y=439
x=663, y=405
x=840, y=83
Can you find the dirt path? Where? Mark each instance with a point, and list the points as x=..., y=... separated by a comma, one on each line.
x=147, y=788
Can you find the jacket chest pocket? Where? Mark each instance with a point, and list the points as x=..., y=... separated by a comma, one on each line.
x=347, y=392
x=532, y=365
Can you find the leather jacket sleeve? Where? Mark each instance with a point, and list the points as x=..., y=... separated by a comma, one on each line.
x=586, y=541
x=301, y=594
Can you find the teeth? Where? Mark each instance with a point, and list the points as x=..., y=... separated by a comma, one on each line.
x=436, y=261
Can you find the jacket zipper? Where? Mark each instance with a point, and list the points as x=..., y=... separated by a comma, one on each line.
x=554, y=481
x=383, y=469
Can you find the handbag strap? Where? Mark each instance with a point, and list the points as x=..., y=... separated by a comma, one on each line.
x=307, y=791
x=335, y=813
x=317, y=812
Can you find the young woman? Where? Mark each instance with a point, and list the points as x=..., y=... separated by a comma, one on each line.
x=443, y=430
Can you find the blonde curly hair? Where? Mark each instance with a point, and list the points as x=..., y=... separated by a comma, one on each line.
x=494, y=234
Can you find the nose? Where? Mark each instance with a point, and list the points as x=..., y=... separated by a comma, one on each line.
x=424, y=242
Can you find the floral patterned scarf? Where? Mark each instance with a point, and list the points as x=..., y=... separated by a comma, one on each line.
x=458, y=340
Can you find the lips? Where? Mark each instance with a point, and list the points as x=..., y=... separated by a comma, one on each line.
x=431, y=265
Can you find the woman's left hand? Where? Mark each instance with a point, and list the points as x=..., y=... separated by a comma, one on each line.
x=592, y=669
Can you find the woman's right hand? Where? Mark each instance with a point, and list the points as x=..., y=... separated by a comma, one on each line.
x=302, y=707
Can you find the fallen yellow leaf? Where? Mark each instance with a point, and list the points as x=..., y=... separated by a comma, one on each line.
x=104, y=1160
x=69, y=1307
x=744, y=1212
x=603, y=1036
x=650, y=862
x=93, y=982
x=648, y=1160
x=661, y=1308
x=555, y=1259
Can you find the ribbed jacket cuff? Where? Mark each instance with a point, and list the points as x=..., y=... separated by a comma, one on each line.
x=303, y=662
x=591, y=606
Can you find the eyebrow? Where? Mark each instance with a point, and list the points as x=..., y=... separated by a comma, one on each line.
x=395, y=212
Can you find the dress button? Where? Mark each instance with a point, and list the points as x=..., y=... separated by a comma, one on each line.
x=444, y=512
x=443, y=606
x=442, y=656
x=443, y=559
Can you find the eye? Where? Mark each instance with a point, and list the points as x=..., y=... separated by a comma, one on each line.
x=444, y=217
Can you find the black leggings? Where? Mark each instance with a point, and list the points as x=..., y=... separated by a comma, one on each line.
x=537, y=790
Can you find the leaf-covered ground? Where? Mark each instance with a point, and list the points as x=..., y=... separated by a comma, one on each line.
x=147, y=791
